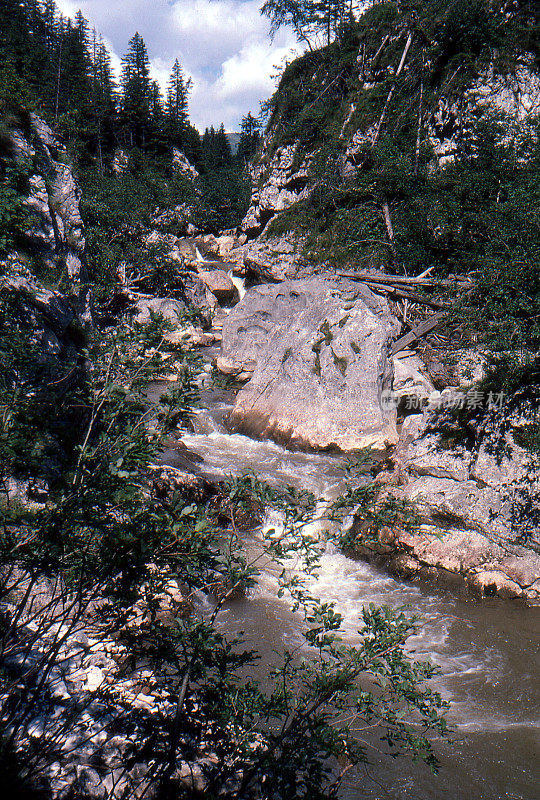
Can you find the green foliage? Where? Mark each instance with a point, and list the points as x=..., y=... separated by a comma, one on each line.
x=223, y=200
x=105, y=535
x=372, y=513
x=13, y=213
x=115, y=210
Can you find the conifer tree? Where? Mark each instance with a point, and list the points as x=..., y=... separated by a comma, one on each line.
x=177, y=95
x=249, y=138
x=135, y=83
x=103, y=104
x=177, y=105
x=75, y=68
x=222, y=148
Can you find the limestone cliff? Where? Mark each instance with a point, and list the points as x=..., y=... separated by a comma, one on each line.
x=54, y=235
x=396, y=80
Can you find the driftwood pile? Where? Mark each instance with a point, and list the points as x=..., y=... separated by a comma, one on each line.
x=398, y=287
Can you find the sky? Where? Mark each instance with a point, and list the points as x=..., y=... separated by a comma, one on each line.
x=223, y=45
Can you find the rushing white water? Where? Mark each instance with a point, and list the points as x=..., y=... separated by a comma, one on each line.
x=239, y=282
x=488, y=652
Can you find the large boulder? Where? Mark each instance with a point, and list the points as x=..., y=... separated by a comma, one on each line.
x=220, y=284
x=271, y=259
x=318, y=354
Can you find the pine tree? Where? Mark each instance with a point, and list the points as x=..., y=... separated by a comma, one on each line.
x=223, y=148
x=75, y=68
x=81, y=24
x=158, y=138
x=249, y=138
x=135, y=83
x=103, y=104
x=177, y=105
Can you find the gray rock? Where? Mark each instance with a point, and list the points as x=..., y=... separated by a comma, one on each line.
x=89, y=784
x=278, y=183
x=479, y=506
x=182, y=166
x=120, y=162
x=55, y=229
x=411, y=387
x=270, y=258
x=319, y=354
x=220, y=284
x=169, y=308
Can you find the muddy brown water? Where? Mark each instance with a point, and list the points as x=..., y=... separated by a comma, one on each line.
x=488, y=652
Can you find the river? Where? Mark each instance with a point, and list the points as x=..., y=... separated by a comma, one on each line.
x=488, y=651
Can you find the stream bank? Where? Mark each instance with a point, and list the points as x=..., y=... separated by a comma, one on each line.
x=488, y=652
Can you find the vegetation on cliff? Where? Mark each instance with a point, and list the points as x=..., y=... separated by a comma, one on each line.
x=419, y=153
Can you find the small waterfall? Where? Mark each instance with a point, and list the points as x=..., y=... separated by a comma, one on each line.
x=240, y=283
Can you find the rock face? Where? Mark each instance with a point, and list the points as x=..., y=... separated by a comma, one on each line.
x=318, y=354
x=277, y=186
x=55, y=233
x=479, y=507
x=515, y=94
x=182, y=166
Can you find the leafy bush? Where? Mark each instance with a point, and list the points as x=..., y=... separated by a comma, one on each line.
x=106, y=543
x=13, y=213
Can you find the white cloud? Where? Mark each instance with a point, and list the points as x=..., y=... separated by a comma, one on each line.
x=223, y=45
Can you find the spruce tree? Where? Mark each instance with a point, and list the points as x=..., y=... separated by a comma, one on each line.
x=135, y=83
x=177, y=105
x=222, y=148
x=249, y=138
x=103, y=103
x=75, y=69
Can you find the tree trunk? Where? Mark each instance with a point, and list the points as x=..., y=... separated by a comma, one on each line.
x=390, y=231
x=377, y=131
x=419, y=130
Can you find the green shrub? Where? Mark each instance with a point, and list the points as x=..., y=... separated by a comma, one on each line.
x=105, y=536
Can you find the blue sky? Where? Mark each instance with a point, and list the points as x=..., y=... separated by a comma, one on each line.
x=223, y=45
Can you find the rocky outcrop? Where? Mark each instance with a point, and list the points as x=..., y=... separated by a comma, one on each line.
x=55, y=229
x=516, y=94
x=120, y=162
x=182, y=166
x=279, y=181
x=318, y=355
x=479, y=509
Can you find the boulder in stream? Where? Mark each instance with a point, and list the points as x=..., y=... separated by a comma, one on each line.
x=318, y=353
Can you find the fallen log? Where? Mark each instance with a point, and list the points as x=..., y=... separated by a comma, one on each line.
x=393, y=291
x=402, y=280
x=417, y=332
